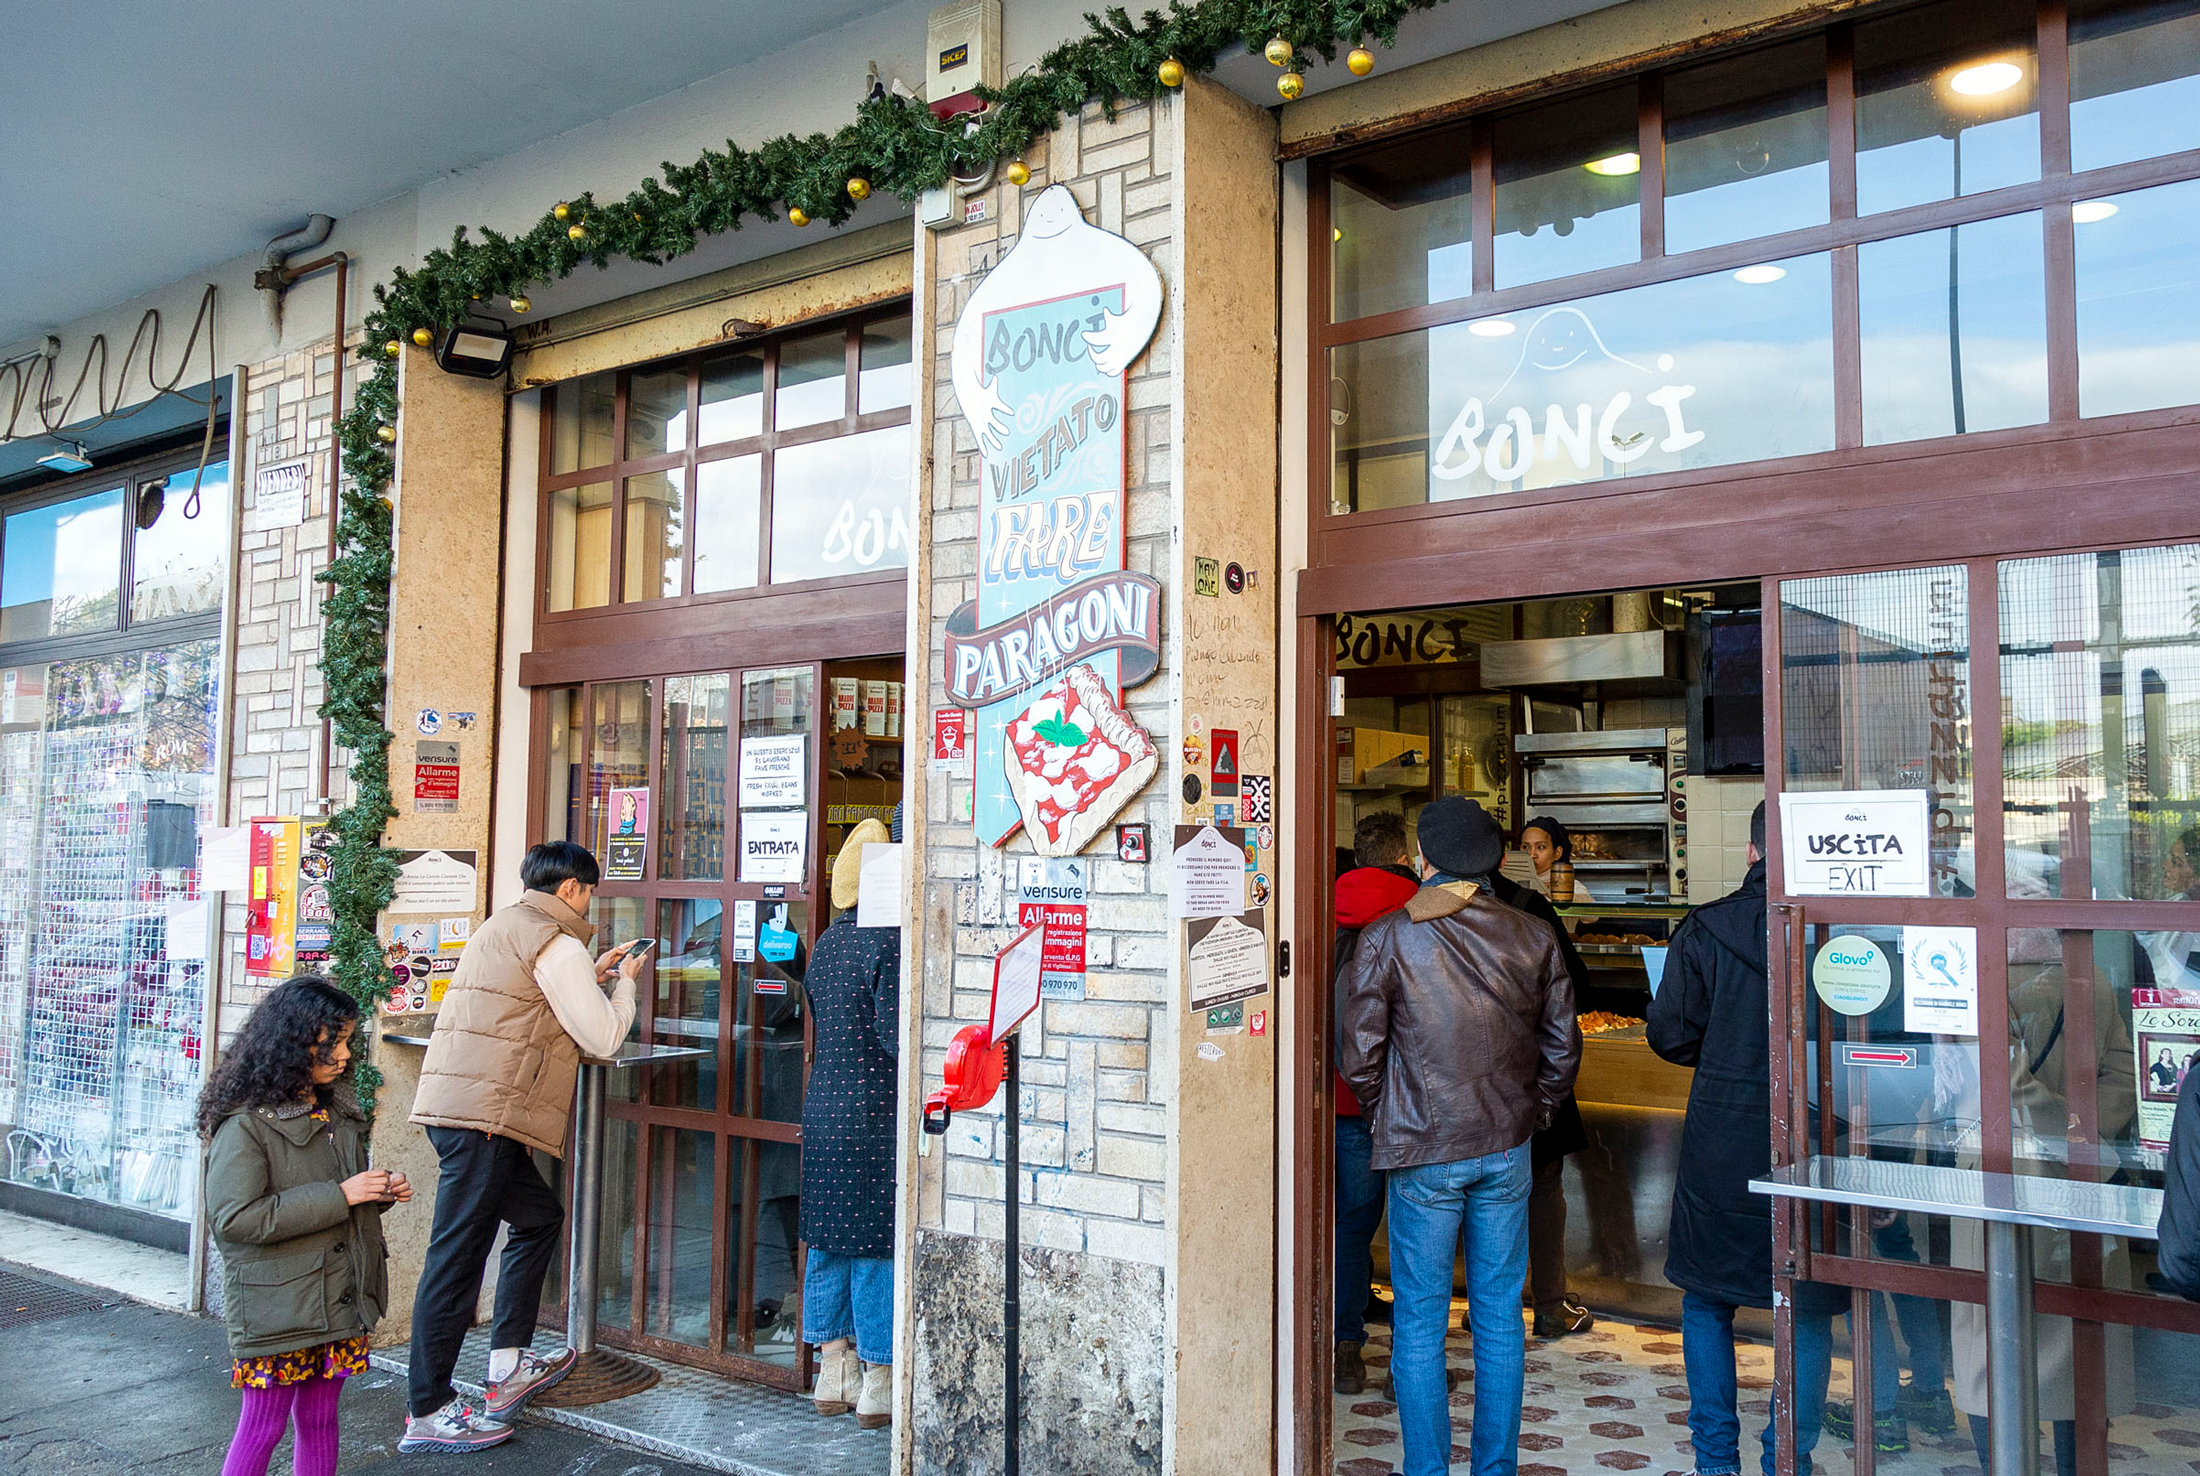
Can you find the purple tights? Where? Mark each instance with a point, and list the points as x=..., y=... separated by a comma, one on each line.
x=311, y=1404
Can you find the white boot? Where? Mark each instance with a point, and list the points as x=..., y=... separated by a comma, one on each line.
x=875, y=1405
x=839, y=1377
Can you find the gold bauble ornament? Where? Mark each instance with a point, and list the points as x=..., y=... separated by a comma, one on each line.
x=561, y=210
x=521, y=304
x=576, y=232
x=1172, y=73
x=1360, y=60
x=386, y=434
x=798, y=215
x=1019, y=174
x=1290, y=84
x=393, y=348
x=859, y=188
x=1278, y=52
x=423, y=337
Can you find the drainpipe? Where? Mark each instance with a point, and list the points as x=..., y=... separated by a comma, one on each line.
x=272, y=280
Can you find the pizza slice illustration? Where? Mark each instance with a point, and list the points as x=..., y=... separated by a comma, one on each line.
x=1074, y=758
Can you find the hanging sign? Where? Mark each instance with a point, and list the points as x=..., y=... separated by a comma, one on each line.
x=772, y=770
x=271, y=916
x=1859, y=842
x=1040, y=359
x=773, y=844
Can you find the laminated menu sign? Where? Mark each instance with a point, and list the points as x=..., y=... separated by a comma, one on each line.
x=1858, y=842
x=772, y=770
x=1227, y=959
x=773, y=845
x=2165, y=1035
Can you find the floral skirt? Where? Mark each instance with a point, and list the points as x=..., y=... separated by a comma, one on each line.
x=327, y=1361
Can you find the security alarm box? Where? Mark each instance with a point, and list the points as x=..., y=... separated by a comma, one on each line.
x=962, y=50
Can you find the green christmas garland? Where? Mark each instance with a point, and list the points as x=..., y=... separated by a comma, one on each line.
x=893, y=145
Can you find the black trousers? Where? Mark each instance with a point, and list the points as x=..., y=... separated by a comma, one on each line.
x=486, y=1181
x=1547, y=1236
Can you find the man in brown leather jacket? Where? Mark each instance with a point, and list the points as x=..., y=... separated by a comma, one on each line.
x=1457, y=1034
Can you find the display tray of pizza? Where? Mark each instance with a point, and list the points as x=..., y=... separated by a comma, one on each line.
x=1073, y=759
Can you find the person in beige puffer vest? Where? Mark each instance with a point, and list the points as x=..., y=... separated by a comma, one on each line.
x=526, y=1004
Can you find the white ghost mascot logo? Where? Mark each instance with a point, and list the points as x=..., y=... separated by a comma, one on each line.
x=1056, y=255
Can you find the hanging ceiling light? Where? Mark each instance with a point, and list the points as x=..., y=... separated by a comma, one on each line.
x=1984, y=79
x=1760, y=274
x=1615, y=165
x=1491, y=327
x=2086, y=212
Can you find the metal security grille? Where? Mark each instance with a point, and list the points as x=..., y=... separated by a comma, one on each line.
x=26, y=1299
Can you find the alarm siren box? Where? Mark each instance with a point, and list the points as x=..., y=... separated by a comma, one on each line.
x=962, y=50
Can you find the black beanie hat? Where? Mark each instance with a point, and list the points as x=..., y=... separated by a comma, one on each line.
x=1459, y=837
x=1562, y=840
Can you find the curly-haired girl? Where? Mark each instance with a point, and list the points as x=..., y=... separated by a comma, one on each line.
x=298, y=1216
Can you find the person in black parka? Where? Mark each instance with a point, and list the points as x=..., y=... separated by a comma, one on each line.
x=854, y=988
x=1713, y=1012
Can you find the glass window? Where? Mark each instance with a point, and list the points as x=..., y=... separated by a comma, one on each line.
x=1400, y=230
x=565, y=782
x=2100, y=662
x=61, y=568
x=1569, y=193
x=1706, y=371
x=778, y=1269
x=776, y=702
x=656, y=412
x=580, y=422
x=767, y=1072
x=615, y=1237
x=692, y=805
x=733, y=399
x=2138, y=259
x=1946, y=103
x=1954, y=330
x=813, y=381
x=1745, y=146
x=579, y=576
x=618, y=758
x=841, y=506
x=180, y=565
x=690, y=954
x=654, y=549
x=884, y=382
x=2134, y=80
x=728, y=519
x=1875, y=694
x=682, y=1169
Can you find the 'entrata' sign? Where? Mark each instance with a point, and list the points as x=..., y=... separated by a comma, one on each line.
x=1040, y=361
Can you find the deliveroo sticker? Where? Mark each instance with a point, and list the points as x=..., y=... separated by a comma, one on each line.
x=1851, y=975
x=777, y=943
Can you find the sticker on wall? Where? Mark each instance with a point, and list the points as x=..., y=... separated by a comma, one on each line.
x=1259, y=794
x=313, y=940
x=1195, y=751
x=1206, y=576
x=1265, y=837
x=1209, y=1051
x=951, y=746
x=1193, y=789
x=1258, y=1021
x=2165, y=1036
x=1226, y=1019
x=1195, y=723
x=428, y=721
x=1260, y=889
x=744, y=930
x=1133, y=843
x=1940, y=981
x=463, y=721
x=1233, y=577
x=435, y=778
x=1226, y=812
x=1851, y=975
x=1226, y=761
x=1040, y=361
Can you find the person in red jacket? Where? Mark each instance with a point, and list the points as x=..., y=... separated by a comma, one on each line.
x=1379, y=883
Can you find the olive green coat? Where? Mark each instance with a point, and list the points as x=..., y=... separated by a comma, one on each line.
x=300, y=1267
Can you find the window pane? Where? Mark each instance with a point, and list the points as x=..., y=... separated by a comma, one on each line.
x=653, y=535
x=656, y=411
x=61, y=573
x=733, y=399
x=2100, y=663
x=2138, y=276
x=1568, y=188
x=615, y=1238
x=841, y=506
x=1946, y=103
x=580, y=547
x=729, y=517
x=565, y=784
x=767, y=1074
x=690, y=938
x=181, y=563
x=813, y=381
x=1954, y=330
x=1727, y=367
x=2134, y=80
x=775, y=1226
x=693, y=770
x=618, y=758
x=775, y=702
x=1745, y=146
x=1400, y=231
x=580, y=422
x=1875, y=694
x=681, y=1171
x=884, y=384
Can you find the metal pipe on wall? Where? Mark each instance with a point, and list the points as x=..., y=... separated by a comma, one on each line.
x=335, y=479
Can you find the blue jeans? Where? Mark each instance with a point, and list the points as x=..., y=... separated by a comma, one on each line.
x=1714, y=1426
x=850, y=1297
x=1430, y=1206
x=1359, y=1211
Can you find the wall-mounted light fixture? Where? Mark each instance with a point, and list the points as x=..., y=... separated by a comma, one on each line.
x=68, y=456
x=474, y=351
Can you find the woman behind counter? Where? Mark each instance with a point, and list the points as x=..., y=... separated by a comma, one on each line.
x=1549, y=844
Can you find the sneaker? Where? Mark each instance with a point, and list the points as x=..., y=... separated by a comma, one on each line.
x=1890, y=1433
x=1351, y=1370
x=1567, y=1317
x=507, y=1396
x=455, y=1427
x=1930, y=1410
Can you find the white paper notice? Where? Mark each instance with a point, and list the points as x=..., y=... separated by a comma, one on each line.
x=772, y=770
x=1858, y=842
x=773, y=845
x=435, y=881
x=279, y=496
x=187, y=930
x=1206, y=876
x=225, y=859
x=744, y=930
x=1016, y=981
x=1940, y=981
x=878, y=886
x=1228, y=960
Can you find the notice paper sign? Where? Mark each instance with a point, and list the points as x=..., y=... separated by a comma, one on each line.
x=772, y=770
x=2165, y=1036
x=1207, y=872
x=435, y=881
x=1227, y=960
x=1940, y=981
x=1856, y=842
x=1016, y=982
x=772, y=845
x=744, y=930
x=878, y=886
x=225, y=858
